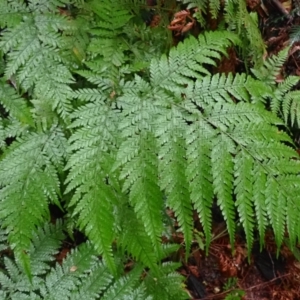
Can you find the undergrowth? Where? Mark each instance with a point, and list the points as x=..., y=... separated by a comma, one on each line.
x=101, y=118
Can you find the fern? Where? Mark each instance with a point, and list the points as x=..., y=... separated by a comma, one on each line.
x=283, y=100
x=114, y=135
x=81, y=275
x=238, y=20
x=29, y=172
x=35, y=60
x=227, y=146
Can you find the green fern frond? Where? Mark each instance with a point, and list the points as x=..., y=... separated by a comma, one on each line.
x=141, y=180
x=35, y=61
x=123, y=288
x=138, y=161
x=199, y=172
x=260, y=179
x=283, y=101
x=65, y=278
x=107, y=48
x=245, y=24
x=244, y=192
x=186, y=61
x=29, y=172
x=166, y=286
x=81, y=275
x=93, y=282
x=214, y=8
x=288, y=106
x=172, y=166
x=276, y=208
x=280, y=105
x=45, y=243
x=223, y=175
x=14, y=104
x=12, y=12
x=136, y=242
x=13, y=128
x=294, y=34
x=271, y=68
x=44, y=6
x=222, y=88
x=96, y=207
x=89, y=166
x=291, y=208
x=200, y=7
x=115, y=16
x=3, y=240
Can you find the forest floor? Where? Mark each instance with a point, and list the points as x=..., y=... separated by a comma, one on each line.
x=236, y=274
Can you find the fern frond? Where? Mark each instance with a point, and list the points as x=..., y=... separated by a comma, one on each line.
x=35, y=61
x=123, y=288
x=108, y=49
x=260, y=179
x=45, y=243
x=28, y=172
x=283, y=101
x=89, y=167
x=137, y=159
x=186, y=61
x=167, y=285
x=294, y=34
x=222, y=88
x=115, y=16
x=199, y=172
x=291, y=208
x=14, y=104
x=276, y=208
x=172, y=166
x=271, y=67
x=136, y=242
x=214, y=7
x=223, y=174
x=44, y=6
x=141, y=179
x=11, y=12
x=244, y=192
x=289, y=106
x=93, y=282
x=3, y=240
x=245, y=24
x=231, y=126
x=63, y=279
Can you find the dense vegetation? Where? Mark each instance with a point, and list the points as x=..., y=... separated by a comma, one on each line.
x=103, y=118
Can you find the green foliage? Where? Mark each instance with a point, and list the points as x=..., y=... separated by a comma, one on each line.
x=284, y=101
x=237, y=19
x=98, y=119
x=81, y=275
x=235, y=294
